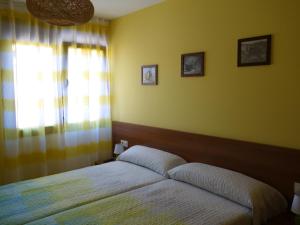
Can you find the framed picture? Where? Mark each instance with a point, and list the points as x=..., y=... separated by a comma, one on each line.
x=150, y=75
x=254, y=51
x=192, y=64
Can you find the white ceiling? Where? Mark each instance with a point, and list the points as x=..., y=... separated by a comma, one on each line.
x=111, y=9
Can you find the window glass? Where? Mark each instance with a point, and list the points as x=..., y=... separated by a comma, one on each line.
x=35, y=89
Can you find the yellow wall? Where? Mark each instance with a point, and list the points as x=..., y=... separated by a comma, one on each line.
x=260, y=104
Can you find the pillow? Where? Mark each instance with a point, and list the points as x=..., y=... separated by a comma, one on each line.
x=264, y=200
x=153, y=159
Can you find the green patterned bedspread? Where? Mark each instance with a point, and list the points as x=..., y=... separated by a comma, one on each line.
x=164, y=203
x=26, y=201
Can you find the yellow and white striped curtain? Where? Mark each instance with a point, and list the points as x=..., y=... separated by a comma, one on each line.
x=55, y=96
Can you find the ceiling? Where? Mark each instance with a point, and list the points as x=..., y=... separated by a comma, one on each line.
x=111, y=9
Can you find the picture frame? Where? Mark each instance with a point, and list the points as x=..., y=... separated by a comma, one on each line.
x=192, y=64
x=149, y=74
x=254, y=51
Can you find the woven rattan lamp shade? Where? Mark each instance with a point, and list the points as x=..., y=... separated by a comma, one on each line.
x=61, y=12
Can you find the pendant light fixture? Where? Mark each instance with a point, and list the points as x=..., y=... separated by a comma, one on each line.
x=61, y=12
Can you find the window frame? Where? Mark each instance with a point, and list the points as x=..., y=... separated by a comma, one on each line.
x=34, y=130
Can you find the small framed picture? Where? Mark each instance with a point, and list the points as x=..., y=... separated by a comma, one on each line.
x=254, y=51
x=150, y=75
x=192, y=64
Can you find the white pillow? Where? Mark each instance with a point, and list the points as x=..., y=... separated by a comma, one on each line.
x=264, y=200
x=151, y=158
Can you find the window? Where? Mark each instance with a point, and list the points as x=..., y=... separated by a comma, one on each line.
x=84, y=76
x=35, y=87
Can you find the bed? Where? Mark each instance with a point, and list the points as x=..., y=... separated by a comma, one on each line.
x=156, y=204
x=145, y=186
x=182, y=200
x=27, y=201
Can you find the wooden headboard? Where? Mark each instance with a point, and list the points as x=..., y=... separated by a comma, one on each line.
x=277, y=166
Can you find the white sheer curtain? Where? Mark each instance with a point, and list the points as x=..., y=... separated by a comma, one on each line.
x=34, y=69
x=55, y=97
